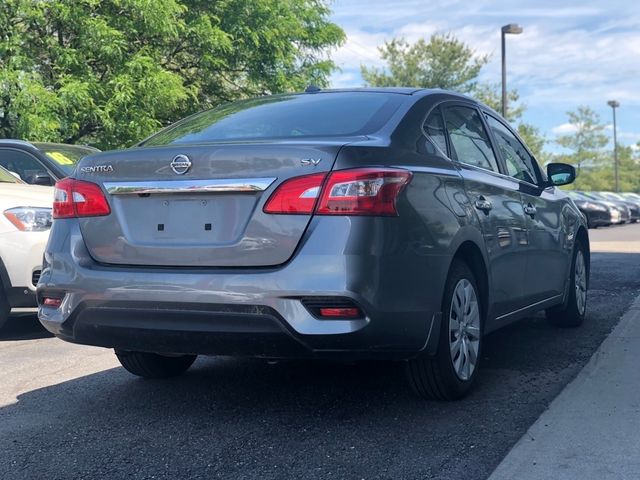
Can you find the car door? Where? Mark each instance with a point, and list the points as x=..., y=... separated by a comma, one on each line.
x=497, y=202
x=23, y=164
x=549, y=249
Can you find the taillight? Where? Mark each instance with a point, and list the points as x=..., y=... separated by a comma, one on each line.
x=77, y=198
x=360, y=191
x=363, y=191
x=296, y=196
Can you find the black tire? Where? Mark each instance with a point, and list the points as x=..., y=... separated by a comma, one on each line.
x=569, y=315
x=5, y=308
x=152, y=365
x=434, y=377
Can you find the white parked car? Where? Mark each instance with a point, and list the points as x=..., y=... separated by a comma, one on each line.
x=25, y=221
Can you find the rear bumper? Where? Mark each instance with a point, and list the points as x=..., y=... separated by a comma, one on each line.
x=256, y=312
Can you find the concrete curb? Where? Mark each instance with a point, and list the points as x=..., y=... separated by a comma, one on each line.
x=592, y=429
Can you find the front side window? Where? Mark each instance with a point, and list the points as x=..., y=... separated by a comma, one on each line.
x=469, y=140
x=518, y=161
x=434, y=129
x=21, y=164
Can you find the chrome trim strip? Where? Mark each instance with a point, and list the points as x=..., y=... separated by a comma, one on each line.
x=529, y=306
x=238, y=185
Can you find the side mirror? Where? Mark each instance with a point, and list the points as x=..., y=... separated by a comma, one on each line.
x=561, y=174
x=42, y=179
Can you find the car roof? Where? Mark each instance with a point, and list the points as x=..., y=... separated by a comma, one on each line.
x=16, y=143
x=12, y=142
x=64, y=145
x=399, y=90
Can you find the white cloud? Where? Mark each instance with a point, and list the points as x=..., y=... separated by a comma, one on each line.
x=577, y=53
x=564, y=129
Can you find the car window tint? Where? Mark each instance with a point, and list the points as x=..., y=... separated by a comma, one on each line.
x=434, y=128
x=21, y=163
x=518, y=161
x=469, y=140
x=285, y=116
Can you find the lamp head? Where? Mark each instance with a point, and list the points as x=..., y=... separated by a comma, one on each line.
x=512, y=28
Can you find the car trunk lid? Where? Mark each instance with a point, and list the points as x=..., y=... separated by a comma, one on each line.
x=165, y=212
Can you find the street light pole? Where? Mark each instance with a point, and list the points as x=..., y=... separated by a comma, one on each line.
x=512, y=29
x=615, y=104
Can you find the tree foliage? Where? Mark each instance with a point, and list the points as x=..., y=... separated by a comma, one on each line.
x=586, y=139
x=442, y=62
x=586, y=145
x=110, y=72
x=448, y=63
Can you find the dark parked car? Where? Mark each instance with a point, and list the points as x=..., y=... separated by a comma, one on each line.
x=374, y=223
x=598, y=214
x=633, y=204
x=629, y=212
x=622, y=207
x=41, y=163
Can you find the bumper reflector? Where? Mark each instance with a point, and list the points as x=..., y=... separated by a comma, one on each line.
x=52, y=302
x=350, y=312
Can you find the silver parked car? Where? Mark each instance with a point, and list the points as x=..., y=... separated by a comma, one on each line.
x=395, y=223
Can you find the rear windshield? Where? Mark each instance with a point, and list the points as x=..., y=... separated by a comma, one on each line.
x=285, y=116
x=65, y=156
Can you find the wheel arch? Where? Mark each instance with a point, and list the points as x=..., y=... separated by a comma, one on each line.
x=582, y=236
x=470, y=253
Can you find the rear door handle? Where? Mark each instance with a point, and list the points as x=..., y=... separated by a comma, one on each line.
x=530, y=210
x=483, y=204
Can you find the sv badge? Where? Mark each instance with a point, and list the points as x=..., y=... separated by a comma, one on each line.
x=306, y=162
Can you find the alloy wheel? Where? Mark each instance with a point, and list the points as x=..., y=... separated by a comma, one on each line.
x=581, y=283
x=464, y=329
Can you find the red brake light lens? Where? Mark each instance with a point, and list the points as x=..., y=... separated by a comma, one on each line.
x=77, y=198
x=363, y=191
x=296, y=196
x=359, y=191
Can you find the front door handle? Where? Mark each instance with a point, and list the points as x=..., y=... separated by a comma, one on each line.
x=530, y=210
x=483, y=204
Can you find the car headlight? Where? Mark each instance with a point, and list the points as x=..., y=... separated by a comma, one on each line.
x=30, y=219
x=595, y=206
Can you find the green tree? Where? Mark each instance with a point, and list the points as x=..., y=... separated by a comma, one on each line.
x=585, y=149
x=534, y=140
x=442, y=62
x=587, y=138
x=448, y=63
x=600, y=177
x=110, y=72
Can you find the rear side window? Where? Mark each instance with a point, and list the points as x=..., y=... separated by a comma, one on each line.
x=468, y=137
x=434, y=129
x=518, y=161
x=285, y=116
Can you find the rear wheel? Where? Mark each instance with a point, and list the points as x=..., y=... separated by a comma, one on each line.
x=573, y=312
x=152, y=365
x=451, y=373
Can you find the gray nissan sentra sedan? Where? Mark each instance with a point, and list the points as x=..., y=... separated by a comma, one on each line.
x=395, y=223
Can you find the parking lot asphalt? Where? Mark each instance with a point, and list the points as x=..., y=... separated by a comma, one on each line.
x=68, y=411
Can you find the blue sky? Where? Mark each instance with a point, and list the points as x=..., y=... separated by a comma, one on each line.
x=571, y=53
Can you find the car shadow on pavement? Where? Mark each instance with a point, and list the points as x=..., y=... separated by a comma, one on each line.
x=240, y=418
x=23, y=326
